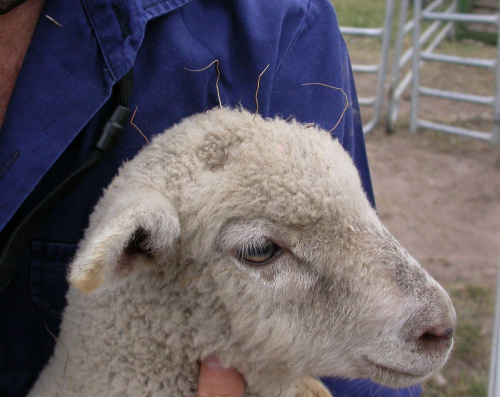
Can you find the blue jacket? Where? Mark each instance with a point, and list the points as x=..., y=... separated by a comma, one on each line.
x=65, y=92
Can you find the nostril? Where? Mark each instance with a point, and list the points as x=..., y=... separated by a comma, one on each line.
x=437, y=336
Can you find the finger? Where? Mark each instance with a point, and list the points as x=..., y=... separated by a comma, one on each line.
x=216, y=381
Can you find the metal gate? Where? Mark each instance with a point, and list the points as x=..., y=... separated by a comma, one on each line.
x=441, y=25
x=429, y=55
x=397, y=86
x=384, y=34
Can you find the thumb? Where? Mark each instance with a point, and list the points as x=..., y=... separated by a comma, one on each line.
x=216, y=381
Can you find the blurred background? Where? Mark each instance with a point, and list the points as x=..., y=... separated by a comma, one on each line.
x=438, y=193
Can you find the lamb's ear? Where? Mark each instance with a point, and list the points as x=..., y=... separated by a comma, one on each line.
x=125, y=233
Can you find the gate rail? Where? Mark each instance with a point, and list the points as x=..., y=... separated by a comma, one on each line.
x=384, y=34
x=429, y=56
x=398, y=87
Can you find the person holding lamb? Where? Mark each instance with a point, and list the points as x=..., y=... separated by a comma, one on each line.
x=60, y=69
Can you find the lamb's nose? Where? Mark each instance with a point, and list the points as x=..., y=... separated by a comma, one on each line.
x=436, y=337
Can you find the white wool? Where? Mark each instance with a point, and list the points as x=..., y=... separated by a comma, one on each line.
x=157, y=283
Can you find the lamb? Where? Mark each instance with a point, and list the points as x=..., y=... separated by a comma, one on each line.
x=251, y=239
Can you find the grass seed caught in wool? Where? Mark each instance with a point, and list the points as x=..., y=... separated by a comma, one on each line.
x=216, y=61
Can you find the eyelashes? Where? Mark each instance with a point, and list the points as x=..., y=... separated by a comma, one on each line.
x=258, y=252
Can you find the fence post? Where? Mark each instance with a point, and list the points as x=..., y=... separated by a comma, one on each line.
x=494, y=383
x=417, y=16
x=396, y=69
x=380, y=69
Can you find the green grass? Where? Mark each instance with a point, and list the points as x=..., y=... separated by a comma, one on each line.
x=472, y=342
x=360, y=13
x=468, y=48
x=477, y=294
x=467, y=370
x=469, y=344
x=465, y=386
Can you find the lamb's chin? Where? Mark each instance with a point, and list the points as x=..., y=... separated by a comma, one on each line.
x=384, y=376
x=398, y=380
x=394, y=378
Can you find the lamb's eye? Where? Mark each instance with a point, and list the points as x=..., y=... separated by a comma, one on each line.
x=258, y=253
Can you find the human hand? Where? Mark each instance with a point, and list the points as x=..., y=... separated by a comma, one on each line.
x=216, y=381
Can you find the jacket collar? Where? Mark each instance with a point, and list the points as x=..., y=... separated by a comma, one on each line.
x=128, y=20
x=67, y=75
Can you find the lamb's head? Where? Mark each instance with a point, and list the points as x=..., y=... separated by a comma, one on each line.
x=260, y=232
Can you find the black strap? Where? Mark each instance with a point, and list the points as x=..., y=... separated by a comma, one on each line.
x=126, y=85
x=24, y=231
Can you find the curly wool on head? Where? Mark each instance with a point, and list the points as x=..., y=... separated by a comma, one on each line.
x=253, y=240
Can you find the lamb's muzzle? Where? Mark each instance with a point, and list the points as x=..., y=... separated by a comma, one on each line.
x=252, y=240
x=417, y=335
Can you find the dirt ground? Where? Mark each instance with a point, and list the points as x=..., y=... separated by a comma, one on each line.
x=442, y=201
x=440, y=196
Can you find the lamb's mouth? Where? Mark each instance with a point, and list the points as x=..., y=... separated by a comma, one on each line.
x=393, y=371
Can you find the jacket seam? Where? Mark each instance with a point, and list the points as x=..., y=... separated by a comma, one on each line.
x=153, y=4
x=10, y=161
x=101, y=47
x=292, y=44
